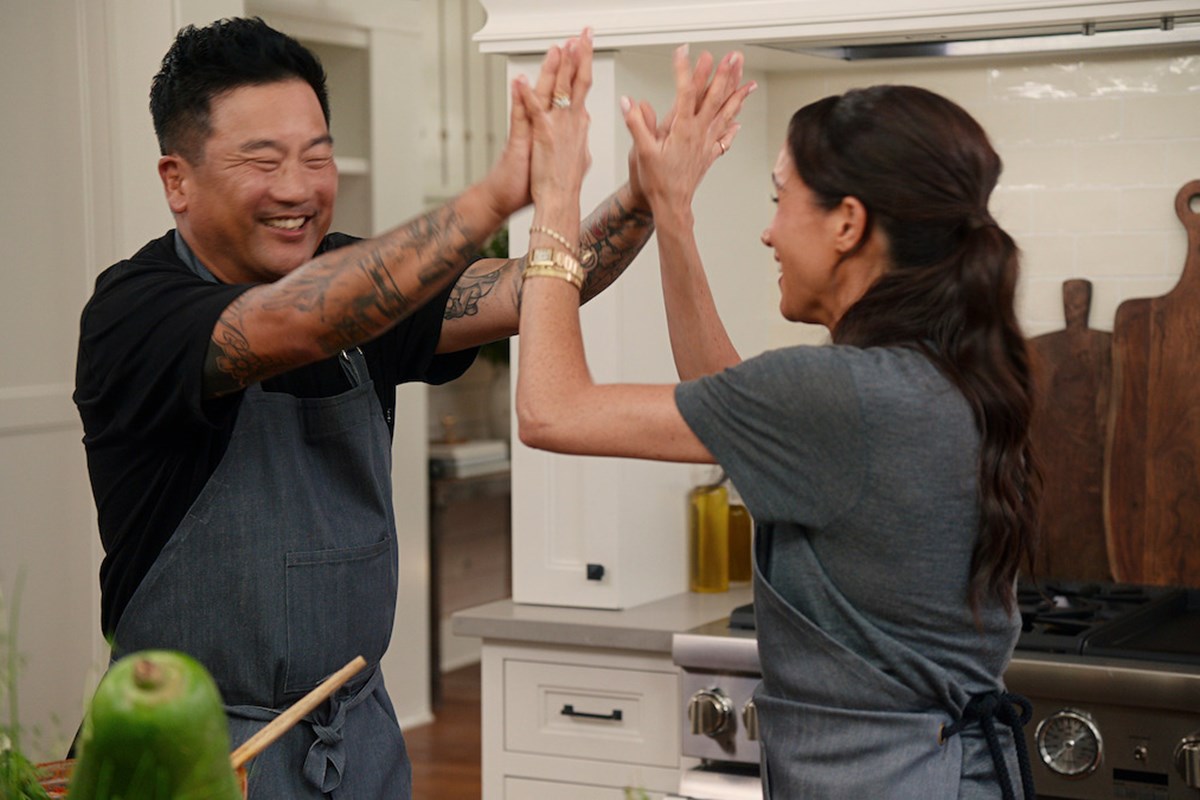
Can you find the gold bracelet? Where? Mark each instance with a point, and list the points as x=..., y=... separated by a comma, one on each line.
x=586, y=257
x=544, y=261
x=552, y=272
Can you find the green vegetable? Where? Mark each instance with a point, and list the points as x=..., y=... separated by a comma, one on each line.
x=19, y=778
x=155, y=730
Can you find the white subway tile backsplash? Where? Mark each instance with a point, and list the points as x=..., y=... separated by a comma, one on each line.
x=1080, y=120
x=1121, y=255
x=1071, y=211
x=1094, y=152
x=1047, y=256
x=1182, y=159
x=1040, y=166
x=1150, y=209
x=1121, y=164
x=1162, y=116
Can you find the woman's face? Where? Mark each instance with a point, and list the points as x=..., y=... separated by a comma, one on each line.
x=802, y=234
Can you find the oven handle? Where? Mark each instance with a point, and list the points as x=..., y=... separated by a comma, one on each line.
x=569, y=711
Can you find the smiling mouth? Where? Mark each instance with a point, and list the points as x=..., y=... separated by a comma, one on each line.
x=286, y=223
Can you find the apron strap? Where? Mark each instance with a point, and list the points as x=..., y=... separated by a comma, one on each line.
x=326, y=759
x=985, y=709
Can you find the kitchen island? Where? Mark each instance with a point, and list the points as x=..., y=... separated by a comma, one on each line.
x=584, y=703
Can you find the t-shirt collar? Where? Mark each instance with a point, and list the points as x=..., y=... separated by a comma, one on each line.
x=189, y=258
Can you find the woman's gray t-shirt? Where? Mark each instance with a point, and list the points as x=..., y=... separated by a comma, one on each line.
x=861, y=467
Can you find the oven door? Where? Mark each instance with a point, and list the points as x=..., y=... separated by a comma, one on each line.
x=724, y=782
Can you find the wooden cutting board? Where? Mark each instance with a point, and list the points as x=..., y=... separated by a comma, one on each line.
x=1072, y=372
x=1153, y=465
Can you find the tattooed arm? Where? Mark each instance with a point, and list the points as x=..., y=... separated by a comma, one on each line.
x=485, y=303
x=346, y=296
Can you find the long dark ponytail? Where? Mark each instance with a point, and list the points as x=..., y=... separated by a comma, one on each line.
x=924, y=170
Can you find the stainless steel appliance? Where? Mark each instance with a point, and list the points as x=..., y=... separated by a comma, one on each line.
x=1112, y=670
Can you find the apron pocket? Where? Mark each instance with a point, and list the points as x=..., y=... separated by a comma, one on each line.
x=340, y=604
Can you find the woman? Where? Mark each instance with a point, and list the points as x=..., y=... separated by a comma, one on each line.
x=889, y=473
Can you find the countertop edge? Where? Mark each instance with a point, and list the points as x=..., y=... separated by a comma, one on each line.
x=646, y=628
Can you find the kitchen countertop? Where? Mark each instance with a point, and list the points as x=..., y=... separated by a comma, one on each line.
x=647, y=627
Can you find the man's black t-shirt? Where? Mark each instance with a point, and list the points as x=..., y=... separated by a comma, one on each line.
x=152, y=440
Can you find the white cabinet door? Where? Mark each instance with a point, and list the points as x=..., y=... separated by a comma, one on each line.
x=626, y=519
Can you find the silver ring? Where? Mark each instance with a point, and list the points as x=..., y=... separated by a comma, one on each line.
x=561, y=100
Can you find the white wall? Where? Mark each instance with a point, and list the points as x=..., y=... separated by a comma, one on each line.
x=1094, y=149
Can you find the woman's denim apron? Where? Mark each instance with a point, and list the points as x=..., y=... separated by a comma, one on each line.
x=283, y=570
x=872, y=743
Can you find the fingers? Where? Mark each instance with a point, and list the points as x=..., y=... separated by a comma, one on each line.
x=635, y=121
x=566, y=72
x=685, y=84
x=518, y=121
x=548, y=75
x=583, y=68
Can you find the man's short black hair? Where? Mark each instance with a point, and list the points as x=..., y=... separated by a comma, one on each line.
x=206, y=62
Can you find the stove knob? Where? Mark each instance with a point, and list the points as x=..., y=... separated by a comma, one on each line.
x=750, y=720
x=710, y=712
x=1187, y=760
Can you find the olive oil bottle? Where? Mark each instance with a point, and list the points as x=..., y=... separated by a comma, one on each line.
x=708, y=538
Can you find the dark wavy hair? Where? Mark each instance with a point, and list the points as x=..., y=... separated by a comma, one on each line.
x=206, y=62
x=925, y=170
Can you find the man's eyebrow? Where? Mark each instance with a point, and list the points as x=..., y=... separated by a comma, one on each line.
x=271, y=144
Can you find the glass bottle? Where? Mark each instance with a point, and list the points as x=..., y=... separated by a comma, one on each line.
x=708, y=538
x=740, y=527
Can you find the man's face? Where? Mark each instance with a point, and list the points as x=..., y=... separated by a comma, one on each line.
x=260, y=202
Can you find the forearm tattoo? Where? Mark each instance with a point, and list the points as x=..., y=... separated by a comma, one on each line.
x=474, y=285
x=616, y=235
x=353, y=293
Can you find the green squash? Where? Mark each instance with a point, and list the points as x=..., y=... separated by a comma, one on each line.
x=155, y=730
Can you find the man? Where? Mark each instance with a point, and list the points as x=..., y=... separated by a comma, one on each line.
x=236, y=380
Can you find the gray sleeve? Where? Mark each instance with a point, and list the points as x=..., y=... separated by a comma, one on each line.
x=787, y=428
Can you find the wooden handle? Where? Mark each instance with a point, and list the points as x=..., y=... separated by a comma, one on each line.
x=280, y=725
x=1077, y=302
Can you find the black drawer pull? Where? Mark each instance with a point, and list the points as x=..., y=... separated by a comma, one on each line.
x=569, y=711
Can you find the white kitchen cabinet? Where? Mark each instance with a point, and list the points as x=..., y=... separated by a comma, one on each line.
x=537, y=745
x=625, y=519
x=521, y=789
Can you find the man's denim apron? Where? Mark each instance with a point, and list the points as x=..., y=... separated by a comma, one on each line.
x=282, y=571
x=872, y=744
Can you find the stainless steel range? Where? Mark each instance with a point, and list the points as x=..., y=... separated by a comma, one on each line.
x=1113, y=672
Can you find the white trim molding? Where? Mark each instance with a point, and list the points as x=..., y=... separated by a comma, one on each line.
x=530, y=26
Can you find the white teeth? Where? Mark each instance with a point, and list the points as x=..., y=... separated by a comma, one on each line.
x=287, y=224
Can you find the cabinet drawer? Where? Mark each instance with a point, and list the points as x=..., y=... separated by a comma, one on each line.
x=628, y=716
x=521, y=789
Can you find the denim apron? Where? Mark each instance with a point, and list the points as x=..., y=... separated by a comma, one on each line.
x=283, y=570
x=872, y=743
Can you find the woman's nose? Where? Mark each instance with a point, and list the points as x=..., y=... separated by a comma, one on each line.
x=766, y=237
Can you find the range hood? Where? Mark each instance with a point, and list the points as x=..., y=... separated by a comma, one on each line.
x=1161, y=32
x=848, y=31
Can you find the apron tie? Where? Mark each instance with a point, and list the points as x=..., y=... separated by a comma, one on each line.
x=327, y=756
x=986, y=709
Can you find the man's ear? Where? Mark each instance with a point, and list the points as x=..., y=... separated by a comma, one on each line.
x=175, y=175
x=850, y=219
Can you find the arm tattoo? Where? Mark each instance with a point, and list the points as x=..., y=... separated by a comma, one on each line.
x=473, y=286
x=616, y=234
x=354, y=293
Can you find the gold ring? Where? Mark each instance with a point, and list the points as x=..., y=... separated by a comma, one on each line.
x=561, y=100
x=721, y=145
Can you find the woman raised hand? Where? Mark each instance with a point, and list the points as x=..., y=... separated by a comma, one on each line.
x=672, y=158
x=559, y=121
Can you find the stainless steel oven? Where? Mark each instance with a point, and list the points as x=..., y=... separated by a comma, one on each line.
x=719, y=667
x=1112, y=670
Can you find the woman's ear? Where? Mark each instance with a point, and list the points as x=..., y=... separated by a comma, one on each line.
x=173, y=172
x=850, y=220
